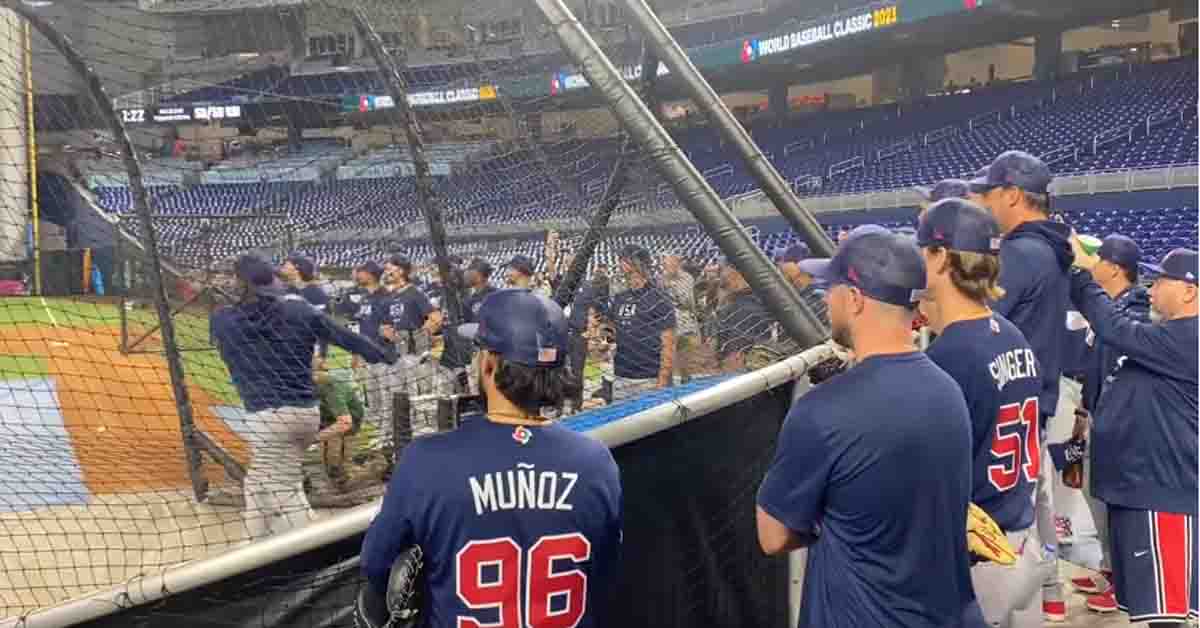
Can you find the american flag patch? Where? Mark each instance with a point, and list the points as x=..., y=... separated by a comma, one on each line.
x=546, y=355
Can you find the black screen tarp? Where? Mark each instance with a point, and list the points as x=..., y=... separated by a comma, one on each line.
x=690, y=555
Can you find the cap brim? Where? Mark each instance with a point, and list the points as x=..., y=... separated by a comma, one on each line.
x=817, y=267
x=980, y=185
x=1151, y=269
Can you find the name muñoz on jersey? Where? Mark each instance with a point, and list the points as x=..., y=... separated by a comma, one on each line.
x=995, y=367
x=520, y=525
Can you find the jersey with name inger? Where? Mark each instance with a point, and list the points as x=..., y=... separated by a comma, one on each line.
x=519, y=525
x=996, y=369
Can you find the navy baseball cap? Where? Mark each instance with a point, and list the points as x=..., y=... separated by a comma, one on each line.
x=1181, y=264
x=635, y=253
x=1120, y=250
x=521, y=264
x=371, y=267
x=1018, y=169
x=884, y=266
x=795, y=253
x=959, y=225
x=480, y=266
x=520, y=326
x=946, y=188
x=305, y=266
x=259, y=274
x=401, y=262
x=811, y=265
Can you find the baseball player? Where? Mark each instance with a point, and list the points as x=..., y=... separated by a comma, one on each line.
x=1035, y=257
x=266, y=340
x=680, y=287
x=1144, y=438
x=789, y=261
x=741, y=323
x=1116, y=273
x=942, y=190
x=886, y=539
x=371, y=297
x=996, y=369
x=644, y=320
x=520, y=272
x=518, y=518
x=301, y=275
x=408, y=320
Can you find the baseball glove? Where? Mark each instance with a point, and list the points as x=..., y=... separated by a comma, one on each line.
x=986, y=540
x=401, y=608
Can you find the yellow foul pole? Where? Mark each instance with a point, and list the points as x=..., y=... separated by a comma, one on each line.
x=31, y=161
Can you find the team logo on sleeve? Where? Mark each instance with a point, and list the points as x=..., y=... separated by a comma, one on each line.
x=522, y=435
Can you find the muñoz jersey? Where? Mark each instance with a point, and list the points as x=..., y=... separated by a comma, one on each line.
x=996, y=369
x=876, y=461
x=520, y=526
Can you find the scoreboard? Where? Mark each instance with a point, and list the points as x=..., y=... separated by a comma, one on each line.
x=175, y=114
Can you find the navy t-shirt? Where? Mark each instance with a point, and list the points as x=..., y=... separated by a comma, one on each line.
x=877, y=461
x=371, y=308
x=640, y=316
x=315, y=295
x=996, y=369
x=515, y=523
x=405, y=309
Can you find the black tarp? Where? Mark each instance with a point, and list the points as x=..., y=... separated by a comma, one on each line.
x=690, y=557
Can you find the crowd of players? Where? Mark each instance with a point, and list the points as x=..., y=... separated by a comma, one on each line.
x=1034, y=335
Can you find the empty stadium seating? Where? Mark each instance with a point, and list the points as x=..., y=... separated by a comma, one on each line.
x=1130, y=117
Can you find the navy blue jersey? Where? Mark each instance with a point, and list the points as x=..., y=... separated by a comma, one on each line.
x=1144, y=431
x=516, y=524
x=741, y=323
x=367, y=318
x=348, y=302
x=877, y=462
x=1134, y=303
x=268, y=347
x=640, y=316
x=996, y=369
x=315, y=295
x=405, y=309
x=1034, y=261
x=473, y=302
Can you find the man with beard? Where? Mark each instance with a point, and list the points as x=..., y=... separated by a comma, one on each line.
x=1116, y=273
x=1035, y=257
x=644, y=321
x=886, y=536
x=1144, y=439
x=409, y=321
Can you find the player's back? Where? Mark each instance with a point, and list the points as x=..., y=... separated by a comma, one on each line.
x=995, y=367
x=517, y=524
x=892, y=549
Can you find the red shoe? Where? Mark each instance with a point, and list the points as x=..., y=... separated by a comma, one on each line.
x=1089, y=584
x=1055, y=612
x=1104, y=603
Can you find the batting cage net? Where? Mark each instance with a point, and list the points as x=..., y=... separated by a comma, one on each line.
x=158, y=400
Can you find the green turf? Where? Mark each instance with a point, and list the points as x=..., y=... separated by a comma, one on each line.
x=22, y=366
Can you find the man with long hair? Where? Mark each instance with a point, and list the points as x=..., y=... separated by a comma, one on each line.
x=267, y=340
x=518, y=518
x=995, y=367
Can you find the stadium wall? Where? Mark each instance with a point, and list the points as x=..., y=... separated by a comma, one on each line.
x=14, y=171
